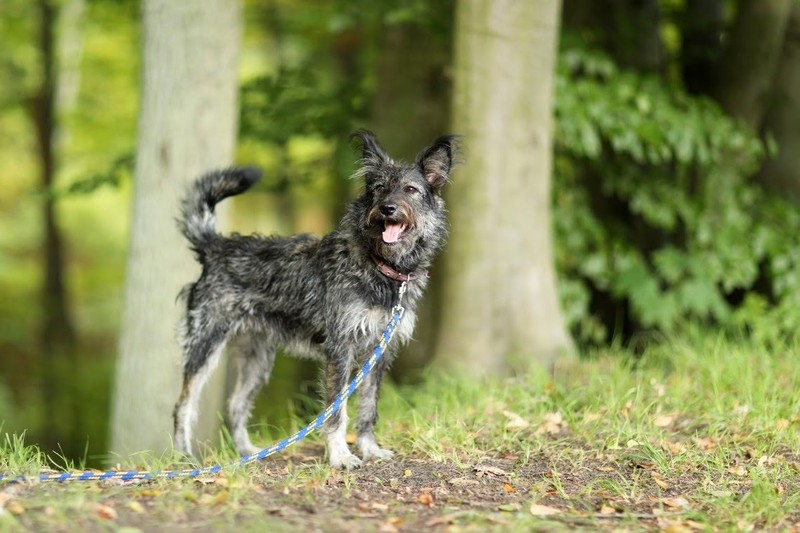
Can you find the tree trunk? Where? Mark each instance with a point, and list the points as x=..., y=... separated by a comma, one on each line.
x=750, y=58
x=187, y=125
x=498, y=282
x=629, y=30
x=702, y=24
x=57, y=332
x=782, y=174
x=413, y=89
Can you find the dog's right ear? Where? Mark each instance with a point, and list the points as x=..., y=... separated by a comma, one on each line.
x=371, y=150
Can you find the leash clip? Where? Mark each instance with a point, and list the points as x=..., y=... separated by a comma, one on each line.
x=399, y=309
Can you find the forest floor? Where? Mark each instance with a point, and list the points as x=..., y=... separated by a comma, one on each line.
x=692, y=436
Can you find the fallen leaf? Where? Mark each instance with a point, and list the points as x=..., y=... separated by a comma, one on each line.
x=407, y=473
x=136, y=507
x=508, y=507
x=542, y=510
x=659, y=480
x=381, y=507
x=632, y=443
x=151, y=493
x=553, y=424
x=607, y=510
x=441, y=520
x=105, y=512
x=674, y=447
x=213, y=499
x=704, y=443
x=591, y=417
x=482, y=470
x=515, y=421
x=508, y=488
x=781, y=424
x=350, y=438
x=738, y=470
x=663, y=421
x=459, y=481
x=15, y=508
x=425, y=499
x=678, y=502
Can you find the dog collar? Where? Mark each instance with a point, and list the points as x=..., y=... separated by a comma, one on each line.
x=391, y=273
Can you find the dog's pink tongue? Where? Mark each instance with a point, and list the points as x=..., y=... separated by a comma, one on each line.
x=391, y=232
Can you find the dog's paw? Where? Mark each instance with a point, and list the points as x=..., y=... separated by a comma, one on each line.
x=248, y=450
x=381, y=454
x=345, y=461
x=370, y=450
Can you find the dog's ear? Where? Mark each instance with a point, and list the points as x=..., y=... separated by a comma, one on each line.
x=436, y=161
x=371, y=151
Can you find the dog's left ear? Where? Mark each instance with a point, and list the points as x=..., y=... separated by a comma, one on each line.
x=436, y=161
x=371, y=151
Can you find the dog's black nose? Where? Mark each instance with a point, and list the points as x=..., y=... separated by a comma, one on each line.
x=388, y=210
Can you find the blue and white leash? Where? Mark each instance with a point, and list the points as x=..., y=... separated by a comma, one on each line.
x=333, y=408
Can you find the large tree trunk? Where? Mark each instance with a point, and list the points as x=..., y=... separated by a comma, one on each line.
x=498, y=281
x=782, y=174
x=750, y=58
x=187, y=125
x=57, y=332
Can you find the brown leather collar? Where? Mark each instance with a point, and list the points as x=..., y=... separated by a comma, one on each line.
x=391, y=273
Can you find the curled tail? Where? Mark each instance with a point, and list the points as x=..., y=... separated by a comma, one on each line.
x=197, y=220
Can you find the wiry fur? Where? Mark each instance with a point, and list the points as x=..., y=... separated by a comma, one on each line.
x=321, y=298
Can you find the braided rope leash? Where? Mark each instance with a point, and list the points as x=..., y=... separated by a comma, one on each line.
x=333, y=408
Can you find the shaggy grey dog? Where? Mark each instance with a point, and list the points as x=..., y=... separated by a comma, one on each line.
x=327, y=298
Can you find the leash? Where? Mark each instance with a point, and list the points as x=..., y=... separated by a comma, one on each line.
x=333, y=408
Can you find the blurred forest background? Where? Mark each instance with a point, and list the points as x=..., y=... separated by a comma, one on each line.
x=675, y=186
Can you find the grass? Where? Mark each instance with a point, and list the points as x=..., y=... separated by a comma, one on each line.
x=701, y=434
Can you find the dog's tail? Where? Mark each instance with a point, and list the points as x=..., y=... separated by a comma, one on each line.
x=197, y=220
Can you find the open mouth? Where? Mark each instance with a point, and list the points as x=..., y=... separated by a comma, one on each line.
x=392, y=232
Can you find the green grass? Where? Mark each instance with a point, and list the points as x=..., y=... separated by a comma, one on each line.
x=698, y=434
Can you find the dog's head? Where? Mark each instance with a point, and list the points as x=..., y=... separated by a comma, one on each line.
x=404, y=213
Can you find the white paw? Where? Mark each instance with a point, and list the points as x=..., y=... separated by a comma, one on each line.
x=345, y=461
x=247, y=449
x=370, y=450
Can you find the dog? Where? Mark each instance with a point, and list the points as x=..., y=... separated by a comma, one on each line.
x=326, y=298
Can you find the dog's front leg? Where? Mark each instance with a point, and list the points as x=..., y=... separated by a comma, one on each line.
x=337, y=372
x=368, y=414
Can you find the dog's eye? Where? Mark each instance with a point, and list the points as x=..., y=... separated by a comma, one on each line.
x=410, y=189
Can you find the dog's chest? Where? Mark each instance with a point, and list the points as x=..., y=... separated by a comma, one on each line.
x=365, y=324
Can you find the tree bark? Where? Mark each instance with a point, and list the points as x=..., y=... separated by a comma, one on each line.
x=57, y=331
x=750, y=58
x=702, y=24
x=782, y=173
x=498, y=283
x=187, y=125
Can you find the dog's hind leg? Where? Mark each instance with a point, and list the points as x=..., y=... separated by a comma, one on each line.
x=256, y=359
x=368, y=414
x=202, y=355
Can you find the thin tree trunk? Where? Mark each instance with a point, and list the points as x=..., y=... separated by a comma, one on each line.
x=702, y=24
x=187, y=125
x=498, y=281
x=782, y=174
x=57, y=332
x=750, y=58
